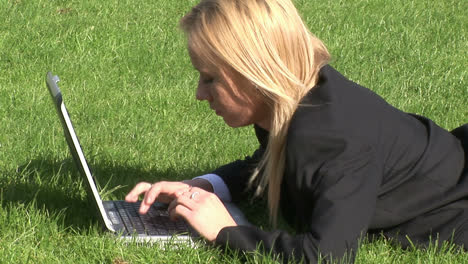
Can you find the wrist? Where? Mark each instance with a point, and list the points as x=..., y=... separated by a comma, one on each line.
x=200, y=183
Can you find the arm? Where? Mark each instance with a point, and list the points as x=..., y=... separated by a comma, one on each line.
x=332, y=186
x=232, y=180
x=216, y=185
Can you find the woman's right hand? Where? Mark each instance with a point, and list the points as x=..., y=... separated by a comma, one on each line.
x=163, y=191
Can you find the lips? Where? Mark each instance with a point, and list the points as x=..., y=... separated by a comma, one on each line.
x=218, y=112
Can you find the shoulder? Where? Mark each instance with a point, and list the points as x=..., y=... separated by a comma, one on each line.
x=324, y=144
x=317, y=159
x=342, y=107
x=330, y=128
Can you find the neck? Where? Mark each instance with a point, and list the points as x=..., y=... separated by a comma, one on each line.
x=265, y=124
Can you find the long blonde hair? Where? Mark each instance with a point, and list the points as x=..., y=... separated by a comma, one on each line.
x=267, y=42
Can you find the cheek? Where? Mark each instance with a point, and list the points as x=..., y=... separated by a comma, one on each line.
x=221, y=96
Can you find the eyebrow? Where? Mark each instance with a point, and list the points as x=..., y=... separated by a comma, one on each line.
x=204, y=70
x=196, y=67
x=206, y=73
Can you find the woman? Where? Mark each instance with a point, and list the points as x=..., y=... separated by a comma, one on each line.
x=334, y=158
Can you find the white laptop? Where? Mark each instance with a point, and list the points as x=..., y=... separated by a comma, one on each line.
x=119, y=217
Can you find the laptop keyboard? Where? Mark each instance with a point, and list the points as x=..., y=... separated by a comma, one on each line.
x=155, y=222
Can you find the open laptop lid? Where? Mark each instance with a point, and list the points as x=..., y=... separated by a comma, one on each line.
x=75, y=148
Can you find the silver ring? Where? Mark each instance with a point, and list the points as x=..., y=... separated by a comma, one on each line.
x=195, y=194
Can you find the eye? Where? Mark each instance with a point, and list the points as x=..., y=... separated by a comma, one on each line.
x=207, y=80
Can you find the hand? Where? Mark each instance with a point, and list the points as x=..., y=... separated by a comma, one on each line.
x=162, y=191
x=203, y=211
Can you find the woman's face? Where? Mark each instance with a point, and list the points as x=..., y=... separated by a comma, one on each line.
x=230, y=95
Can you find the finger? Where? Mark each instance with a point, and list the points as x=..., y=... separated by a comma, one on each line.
x=196, y=194
x=164, y=190
x=181, y=211
x=197, y=189
x=153, y=193
x=140, y=188
x=172, y=205
x=182, y=191
x=184, y=200
x=150, y=197
x=170, y=210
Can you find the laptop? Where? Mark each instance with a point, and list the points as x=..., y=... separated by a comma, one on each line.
x=118, y=216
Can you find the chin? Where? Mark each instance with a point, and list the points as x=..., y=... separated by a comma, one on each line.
x=234, y=123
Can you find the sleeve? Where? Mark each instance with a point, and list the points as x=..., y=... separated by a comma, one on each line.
x=219, y=187
x=331, y=183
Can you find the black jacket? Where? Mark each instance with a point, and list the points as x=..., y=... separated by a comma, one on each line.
x=356, y=165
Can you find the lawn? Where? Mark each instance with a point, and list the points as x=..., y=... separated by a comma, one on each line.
x=130, y=90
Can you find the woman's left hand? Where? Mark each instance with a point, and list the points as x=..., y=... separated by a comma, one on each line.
x=203, y=211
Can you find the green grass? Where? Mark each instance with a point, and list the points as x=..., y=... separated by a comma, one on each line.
x=129, y=87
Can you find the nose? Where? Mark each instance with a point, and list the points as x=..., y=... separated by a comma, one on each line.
x=203, y=93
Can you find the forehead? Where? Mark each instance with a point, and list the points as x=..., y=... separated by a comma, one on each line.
x=202, y=60
x=195, y=58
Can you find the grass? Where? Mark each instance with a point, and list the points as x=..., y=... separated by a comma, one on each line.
x=129, y=87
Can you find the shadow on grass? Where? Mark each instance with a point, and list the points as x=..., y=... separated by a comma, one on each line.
x=56, y=186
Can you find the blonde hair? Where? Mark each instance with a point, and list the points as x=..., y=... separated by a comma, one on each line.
x=267, y=42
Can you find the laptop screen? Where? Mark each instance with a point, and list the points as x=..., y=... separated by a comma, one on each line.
x=75, y=148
